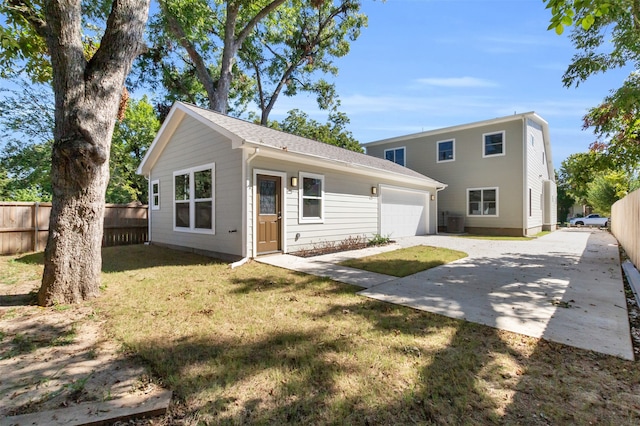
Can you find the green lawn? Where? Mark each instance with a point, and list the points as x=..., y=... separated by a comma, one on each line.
x=406, y=261
x=263, y=345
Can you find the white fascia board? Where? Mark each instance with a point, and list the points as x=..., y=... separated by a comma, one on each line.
x=456, y=128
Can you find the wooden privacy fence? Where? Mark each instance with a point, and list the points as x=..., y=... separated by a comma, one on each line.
x=625, y=225
x=24, y=227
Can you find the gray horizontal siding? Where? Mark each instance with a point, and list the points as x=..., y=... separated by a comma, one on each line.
x=350, y=209
x=194, y=144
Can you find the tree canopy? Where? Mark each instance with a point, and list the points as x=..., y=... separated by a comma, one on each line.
x=225, y=54
x=606, y=36
x=333, y=132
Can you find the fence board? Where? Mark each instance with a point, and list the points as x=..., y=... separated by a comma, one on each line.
x=24, y=227
x=625, y=225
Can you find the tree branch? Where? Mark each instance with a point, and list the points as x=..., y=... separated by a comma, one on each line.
x=197, y=59
x=244, y=33
x=26, y=10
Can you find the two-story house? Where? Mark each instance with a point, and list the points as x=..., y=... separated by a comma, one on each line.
x=499, y=173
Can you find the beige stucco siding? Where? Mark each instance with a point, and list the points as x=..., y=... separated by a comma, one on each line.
x=470, y=170
x=350, y=210
x=194, y=144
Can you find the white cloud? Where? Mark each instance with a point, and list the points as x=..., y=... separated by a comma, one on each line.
x=457, y=82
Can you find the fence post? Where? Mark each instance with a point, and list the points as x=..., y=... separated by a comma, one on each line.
x=36, y=234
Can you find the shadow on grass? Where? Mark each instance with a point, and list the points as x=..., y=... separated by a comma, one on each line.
x=296, y=282
x=8, y=300
x=138, y=256
x=295, y=384
x=298, y=380
x=32, y=258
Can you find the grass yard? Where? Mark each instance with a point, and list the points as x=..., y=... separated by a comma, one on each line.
x=405, y=261
x=263, y=345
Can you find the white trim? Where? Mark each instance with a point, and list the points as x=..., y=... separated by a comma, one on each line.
x=482, y=201
x=283, y=206
x=192, y=200
x=152, y=200
x=504, y=144
x=301, y=218
x=438, y=160
x=397, y=148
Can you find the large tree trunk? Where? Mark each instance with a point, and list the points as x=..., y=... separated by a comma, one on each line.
x=87, y=97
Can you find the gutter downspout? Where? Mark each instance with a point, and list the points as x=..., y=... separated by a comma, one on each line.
x=245, y=167
x=149, y=209
x=525, y=177
x=437, y=198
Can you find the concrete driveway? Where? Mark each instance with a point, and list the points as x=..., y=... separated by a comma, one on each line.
x=564, y=287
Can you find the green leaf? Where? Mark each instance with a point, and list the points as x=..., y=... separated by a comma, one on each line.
x=587, y=22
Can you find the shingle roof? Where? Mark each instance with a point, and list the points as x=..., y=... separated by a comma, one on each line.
x=258, y=134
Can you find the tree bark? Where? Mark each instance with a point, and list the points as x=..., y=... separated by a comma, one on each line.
x=87, y=97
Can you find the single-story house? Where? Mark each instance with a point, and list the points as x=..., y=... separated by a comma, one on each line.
x=232, y=189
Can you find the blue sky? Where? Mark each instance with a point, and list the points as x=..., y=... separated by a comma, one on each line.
x=426, y=64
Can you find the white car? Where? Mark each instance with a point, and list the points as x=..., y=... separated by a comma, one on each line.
x=591, y=220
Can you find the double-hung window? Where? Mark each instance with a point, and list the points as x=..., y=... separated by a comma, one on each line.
x=482, y=202
x=396, y=155
x=155, y=195
x=193, y=199
x=446, y=150
x=311, y=209
x=493, y=144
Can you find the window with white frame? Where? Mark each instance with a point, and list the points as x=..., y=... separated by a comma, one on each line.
x=155, y=195
x=193, y=199
x=311, y=209
x=446, y=150
x=493, y=144
x=482, y=202
x=396, y=155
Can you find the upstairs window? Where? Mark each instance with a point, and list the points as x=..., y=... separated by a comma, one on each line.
x=493, y=144
x=396, y=155
x=446, y=150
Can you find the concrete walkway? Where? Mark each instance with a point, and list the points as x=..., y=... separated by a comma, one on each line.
x=564, y=287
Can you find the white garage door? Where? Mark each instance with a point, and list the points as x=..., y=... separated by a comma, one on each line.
x=403, y=212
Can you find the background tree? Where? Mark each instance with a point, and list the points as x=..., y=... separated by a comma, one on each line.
x=607, y=188
x=87, y=98
x=131, y=138
x=606, y=35
x=26, y=156
x=578, y=170
x=565, y=200
x=334, y=132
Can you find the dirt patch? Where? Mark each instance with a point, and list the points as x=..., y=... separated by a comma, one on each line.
x=57, y=357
